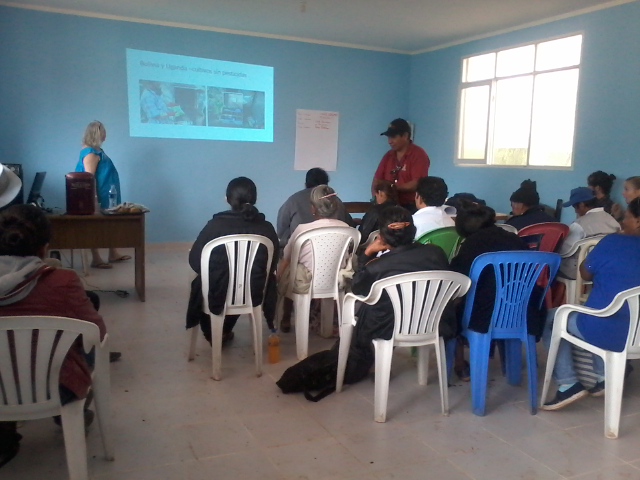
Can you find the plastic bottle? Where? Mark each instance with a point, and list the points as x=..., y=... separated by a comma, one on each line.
x=273, y=343
x=113, y=197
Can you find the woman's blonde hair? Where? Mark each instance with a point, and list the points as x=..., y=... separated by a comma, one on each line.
x=325, y=201
x=94, y=134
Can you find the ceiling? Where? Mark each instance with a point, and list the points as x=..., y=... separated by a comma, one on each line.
x=406, y=26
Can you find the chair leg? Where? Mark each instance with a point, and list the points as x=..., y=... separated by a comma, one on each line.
x=614, y=367
x=479, y=345
x=301, y=312
x=513, y=360
x=102, y=399
x=216, y=346
x=442, y=376
x=346, y=331
x=326, y=317
x=193, y=339
x=75, y=443
x=256, y=326
x=279, y=311
x=423, y=364
x=532, y=373
x=384, y=354
x=551, y=362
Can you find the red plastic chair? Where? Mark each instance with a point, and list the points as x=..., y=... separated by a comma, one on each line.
x=553, y=234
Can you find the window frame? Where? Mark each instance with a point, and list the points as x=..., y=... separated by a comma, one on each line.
x=492, y=84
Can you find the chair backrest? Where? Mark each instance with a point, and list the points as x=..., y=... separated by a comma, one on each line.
x=553, y=234
x=516, y=273
x=632, y=297
x=241, y=254
x=583, y=247
x=446, y=238
x=330, y=247
x=32, y=350
x=507, y=227
x=419, y=298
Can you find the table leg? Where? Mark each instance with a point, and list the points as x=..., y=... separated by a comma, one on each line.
x=140, y=273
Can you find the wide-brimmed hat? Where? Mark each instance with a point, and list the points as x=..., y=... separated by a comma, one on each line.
x=9, y=186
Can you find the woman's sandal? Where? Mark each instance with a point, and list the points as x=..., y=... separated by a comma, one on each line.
x=121, y=258
x=464, y=373
x=102, y=265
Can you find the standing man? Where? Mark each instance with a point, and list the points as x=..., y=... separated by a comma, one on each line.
x=403, y=165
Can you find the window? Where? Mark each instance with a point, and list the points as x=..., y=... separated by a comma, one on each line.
x=518, y=106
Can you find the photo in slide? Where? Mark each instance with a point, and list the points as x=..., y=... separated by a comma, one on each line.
x=175, y=96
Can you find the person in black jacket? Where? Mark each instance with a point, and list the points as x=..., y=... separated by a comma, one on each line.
x=526, y=208
x=243, y=218
x=385, y=197
x=402, y=256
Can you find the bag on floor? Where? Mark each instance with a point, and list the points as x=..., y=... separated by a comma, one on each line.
x=317, y=373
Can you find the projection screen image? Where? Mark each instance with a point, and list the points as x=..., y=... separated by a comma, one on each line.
x=174, y=96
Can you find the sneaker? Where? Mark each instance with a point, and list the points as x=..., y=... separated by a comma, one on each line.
x=597, y=390
x=562, y=399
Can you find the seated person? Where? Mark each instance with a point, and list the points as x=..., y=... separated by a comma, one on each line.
x=601, y=183
x=295, y=210
x=243, y=218
x=431, y=194
x=323, y=207
x=477, y=225
x=526, y=208
x=402, y=255
x=28, y=286
x=613, y=266
x=592, y=220
x=631, y=189
x=385, y=196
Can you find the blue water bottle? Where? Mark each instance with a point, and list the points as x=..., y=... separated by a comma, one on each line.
x=113, y=197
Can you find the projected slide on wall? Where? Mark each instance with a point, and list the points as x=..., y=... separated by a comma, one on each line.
x=174, y=96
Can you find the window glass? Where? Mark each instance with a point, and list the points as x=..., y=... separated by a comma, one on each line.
x=564, y=52
x=515, y=61
x=473, y=122
x=481, y=67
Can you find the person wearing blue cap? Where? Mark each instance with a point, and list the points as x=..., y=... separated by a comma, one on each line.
x=592, y=220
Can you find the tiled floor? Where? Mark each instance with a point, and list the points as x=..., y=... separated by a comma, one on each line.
x=172, y=422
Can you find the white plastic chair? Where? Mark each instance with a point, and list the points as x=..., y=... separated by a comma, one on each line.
x=614, y=362
x=418, y=302
x=575, y=288
x=241, y=254
x=31, y=391
x=330, y=246
x=507, y=227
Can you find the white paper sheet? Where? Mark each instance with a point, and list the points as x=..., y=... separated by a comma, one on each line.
x=316, y=140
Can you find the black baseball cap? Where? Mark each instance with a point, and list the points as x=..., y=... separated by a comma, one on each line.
x=398, y=126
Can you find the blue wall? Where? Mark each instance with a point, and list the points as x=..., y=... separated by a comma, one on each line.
x=59, y=72
x=608, y=116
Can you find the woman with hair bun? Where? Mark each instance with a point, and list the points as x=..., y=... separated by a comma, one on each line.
x=601, y=182
x=398, y=254
x=243, y=218
x=324, y=204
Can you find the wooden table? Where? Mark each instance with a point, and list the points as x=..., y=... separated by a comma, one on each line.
x=102, y=231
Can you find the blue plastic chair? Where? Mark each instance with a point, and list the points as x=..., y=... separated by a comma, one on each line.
x=516, y=274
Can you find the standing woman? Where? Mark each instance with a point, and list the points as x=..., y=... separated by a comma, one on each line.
x=95, y=161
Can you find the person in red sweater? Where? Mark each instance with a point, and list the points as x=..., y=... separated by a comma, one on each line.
x=29, y=286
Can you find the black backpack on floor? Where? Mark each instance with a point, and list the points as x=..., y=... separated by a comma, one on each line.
x=317, y=373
